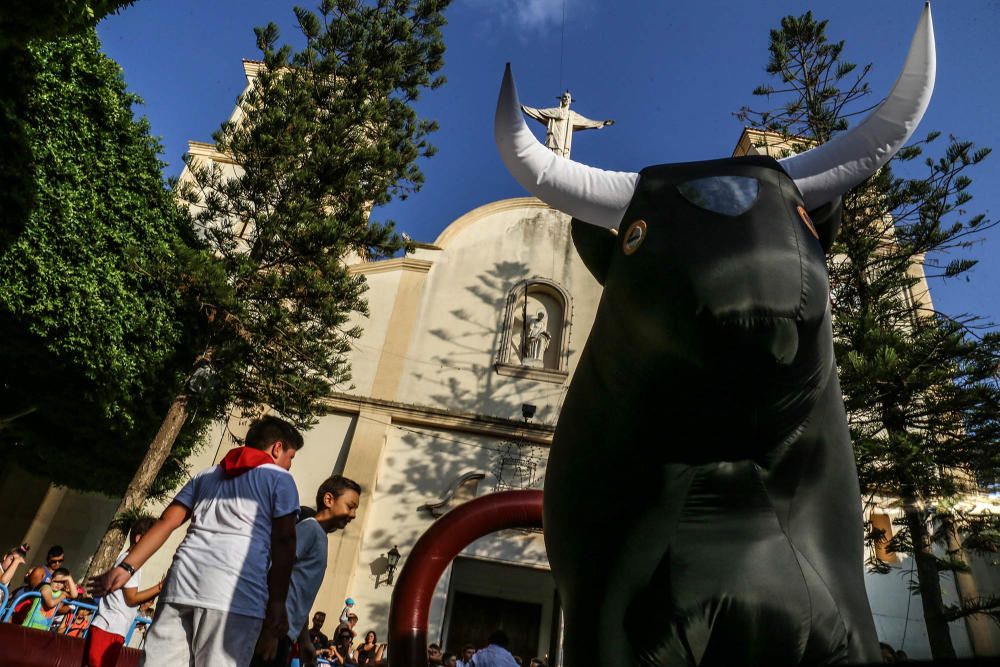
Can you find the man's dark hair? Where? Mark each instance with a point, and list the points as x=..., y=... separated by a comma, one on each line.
x=500, y=638
x=269, y=429
x=336, y=486
x=434, y=646
x=55, y=550
x=141, y=526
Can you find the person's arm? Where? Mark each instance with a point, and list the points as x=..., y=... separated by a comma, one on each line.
x=10, y=564
x=307, y=652
x=278, y=577
x=36, y=576
x=173, y=517
x=48, y=599
x=134, y=597
x=71, y=587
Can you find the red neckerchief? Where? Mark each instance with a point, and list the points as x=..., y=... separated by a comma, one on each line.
x=241, y=459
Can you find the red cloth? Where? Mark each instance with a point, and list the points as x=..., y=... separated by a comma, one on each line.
x=241, y=459
x=103, y=648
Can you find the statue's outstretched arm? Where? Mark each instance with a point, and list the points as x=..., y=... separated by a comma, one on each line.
x=584, y=123
x=537, y=114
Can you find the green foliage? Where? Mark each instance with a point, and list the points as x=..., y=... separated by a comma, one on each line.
x=326, y=133
x=94, y=346
x=24, y=20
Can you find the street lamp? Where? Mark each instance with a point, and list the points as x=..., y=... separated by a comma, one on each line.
x=392, y=560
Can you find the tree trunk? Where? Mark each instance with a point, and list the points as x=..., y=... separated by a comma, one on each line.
x=159, y=449
x=929, y=581
x=978, y=625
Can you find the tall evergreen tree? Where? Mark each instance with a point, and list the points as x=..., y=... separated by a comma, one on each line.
x=91, y=338
x=920, y=386
x=325, y=133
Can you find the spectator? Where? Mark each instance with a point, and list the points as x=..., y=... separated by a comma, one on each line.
x=77, y=623
x=348, y=619
x=10, y=562
x=115, y=611
x=337, y=501
x=229, y=579
x=320, y=641
x=467, y=652
x=434, y=657
x=40, y=574
x=370, y=652
x=495, y=654
x=449, y=660
x=52, y=594
x=341, y=650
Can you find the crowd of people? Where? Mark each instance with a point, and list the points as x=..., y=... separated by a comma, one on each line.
x=494, y=654
x=249, y=567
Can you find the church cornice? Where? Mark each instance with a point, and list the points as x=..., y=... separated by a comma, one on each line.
x=407, y=414
x=397, y=264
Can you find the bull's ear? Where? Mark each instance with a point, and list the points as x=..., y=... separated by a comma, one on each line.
x=596, y=246
x=826, y=219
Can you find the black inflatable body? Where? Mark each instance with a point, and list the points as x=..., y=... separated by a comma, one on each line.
x=701, y=498
x=702, y=459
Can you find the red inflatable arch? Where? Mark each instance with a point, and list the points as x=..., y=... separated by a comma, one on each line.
x=443, y=541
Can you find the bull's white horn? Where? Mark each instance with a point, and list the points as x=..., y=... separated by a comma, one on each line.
x=592, y=195
x=828, y=171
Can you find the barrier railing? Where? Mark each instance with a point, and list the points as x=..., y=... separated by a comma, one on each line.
x=77, y=606
x=136, y=622
x=16, y=601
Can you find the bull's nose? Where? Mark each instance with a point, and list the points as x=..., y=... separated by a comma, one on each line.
x=764, y=338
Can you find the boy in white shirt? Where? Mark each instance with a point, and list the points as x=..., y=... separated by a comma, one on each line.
x=229, y=579
x=116, y=611
x=337, y=504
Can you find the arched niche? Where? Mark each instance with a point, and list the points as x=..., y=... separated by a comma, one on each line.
x=535, y=333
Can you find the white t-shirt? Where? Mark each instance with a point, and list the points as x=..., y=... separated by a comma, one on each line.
x=307, y=575
x=113, y=615
x=223, y=561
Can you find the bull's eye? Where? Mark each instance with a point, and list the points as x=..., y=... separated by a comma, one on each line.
x=728, y=195
x=807, y=220
x=634, y=236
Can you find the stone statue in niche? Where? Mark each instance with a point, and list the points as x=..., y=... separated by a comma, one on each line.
x=536, y=341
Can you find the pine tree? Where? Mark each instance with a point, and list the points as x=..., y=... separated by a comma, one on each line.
x=326, y=133
x=920, y=386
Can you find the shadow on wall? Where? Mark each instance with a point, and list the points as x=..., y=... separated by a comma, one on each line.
x=465, y=370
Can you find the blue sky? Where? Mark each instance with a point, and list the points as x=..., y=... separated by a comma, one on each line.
x=669, y=73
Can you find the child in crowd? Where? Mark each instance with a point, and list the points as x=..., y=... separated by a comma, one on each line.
x=116, y=611
x=337, y=502
x=52, y=594
x=229, y=579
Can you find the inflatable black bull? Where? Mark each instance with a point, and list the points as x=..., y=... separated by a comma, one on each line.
x=701, y=499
